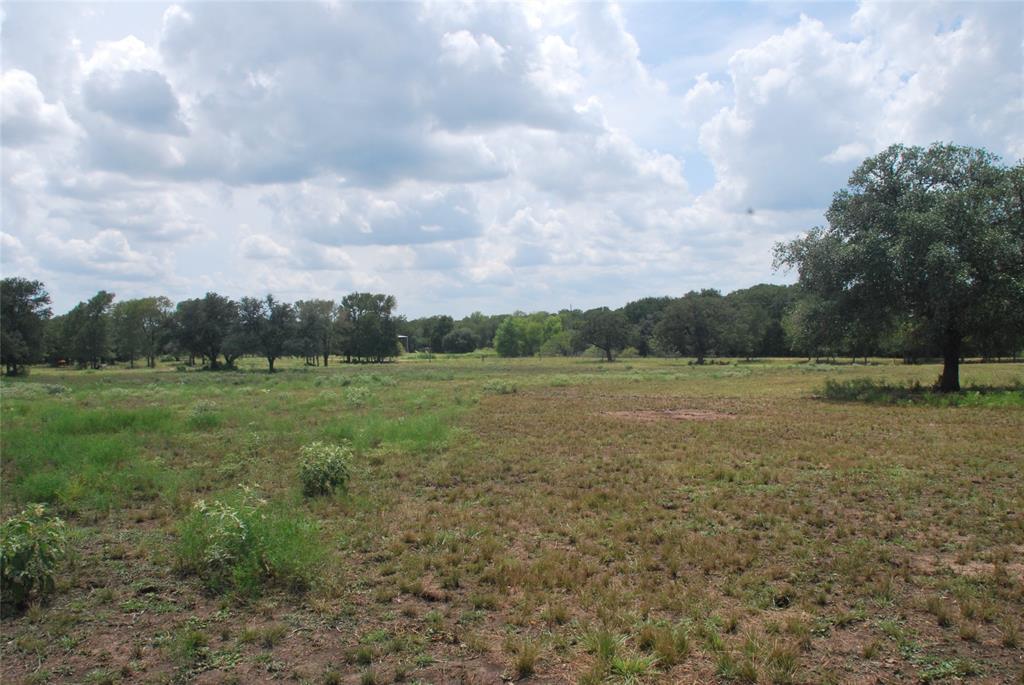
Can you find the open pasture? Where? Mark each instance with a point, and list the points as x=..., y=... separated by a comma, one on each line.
x=540, y=520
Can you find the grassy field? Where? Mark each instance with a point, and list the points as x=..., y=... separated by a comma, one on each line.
x=545, y=520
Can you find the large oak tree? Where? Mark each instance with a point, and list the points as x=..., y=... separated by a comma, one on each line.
x=931, y=237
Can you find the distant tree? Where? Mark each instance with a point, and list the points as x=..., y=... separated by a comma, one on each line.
x=186, y=327
x=522, y=335
x=562, y=344
x=342, y=333
x=813, y=327
x=208, y=327
x=374, y=334
x=315, y=328
x=459, y=341
x=482, y=326
x=644, y=315
x=935, y=235
x=572, y=319
x=127, y=334
x=267, y=327
x=757, y=320
x=508, y=339
x=87, y=330
x=56, y=341
x=606, y=330
x=156, y=318
x=435, y=329
x=695, y=324
x=24, y=311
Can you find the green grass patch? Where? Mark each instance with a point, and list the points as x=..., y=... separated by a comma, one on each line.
x=870, y=391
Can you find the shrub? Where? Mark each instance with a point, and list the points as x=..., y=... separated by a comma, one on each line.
x=203, y=414
x=357, y=395
x=323, y=467
x=500, y=387
x=243, y=543
x=31, y=546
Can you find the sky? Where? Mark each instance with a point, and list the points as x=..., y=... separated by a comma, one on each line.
x=466, y=156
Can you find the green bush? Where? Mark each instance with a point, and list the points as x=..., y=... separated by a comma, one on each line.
x=244, y=544
x=357, y=396
x=31, y=546
x=323, y=467
x=500, y=387
x=203, y=414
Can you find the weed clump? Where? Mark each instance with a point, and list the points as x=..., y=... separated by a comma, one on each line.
x=203, y=414
x=357, y=396
x=323, y=468
x=500, y=387
x=31, y=546
x=242, y=543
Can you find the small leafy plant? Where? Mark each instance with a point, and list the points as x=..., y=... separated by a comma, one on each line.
x=31, y=546
x=324, y=468
x=243, y=543
x=357, y=396
x=203, y=414
x=500, y=387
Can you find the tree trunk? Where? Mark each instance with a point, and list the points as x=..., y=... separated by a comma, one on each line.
x=270, y=361
x=950, y=380
x=608, y=354
x=326, y=356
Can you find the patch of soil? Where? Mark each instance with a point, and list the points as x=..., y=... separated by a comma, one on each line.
x=932, y=564
x=653, y=415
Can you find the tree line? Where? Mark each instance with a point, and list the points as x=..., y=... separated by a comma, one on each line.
x=213, y=331
x=923, y=256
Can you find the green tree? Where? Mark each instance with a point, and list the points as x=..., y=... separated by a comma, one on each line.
x=482, y=326
x=435, y=329
x=186, y=325
x=127, y=334
x=932, y=235
x=644, y=315
x=696, y=323
x=508, y=338
x=757, y=320
x=207, y=327
x=315, y=327
x=87, y=330
x=155, y=317
x=813, y=327
x=523, y=335
x=606, y=330
x=459, y=340
x=373, y=333
x=24, y=311
x=267, y=327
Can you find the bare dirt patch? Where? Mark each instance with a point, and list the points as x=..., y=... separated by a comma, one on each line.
x=653, y=415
